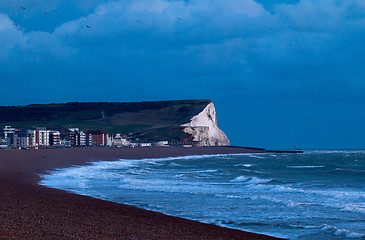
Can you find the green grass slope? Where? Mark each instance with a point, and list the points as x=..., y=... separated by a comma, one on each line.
x=150, y=120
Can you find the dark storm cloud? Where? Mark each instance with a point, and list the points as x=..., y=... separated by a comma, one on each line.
x=281, y=56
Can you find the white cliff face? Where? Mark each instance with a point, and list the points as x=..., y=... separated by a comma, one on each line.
x=204, y=128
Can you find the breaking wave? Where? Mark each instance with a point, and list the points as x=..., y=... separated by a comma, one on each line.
x=256, y=192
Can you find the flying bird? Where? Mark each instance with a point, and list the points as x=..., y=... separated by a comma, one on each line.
x=15, y=24
x=178, y=18
x=22, y=7
x=87, y=26
x=175, y=33
x=138, y=21
x=45, y=12
x=86, y=17
x=55, y=11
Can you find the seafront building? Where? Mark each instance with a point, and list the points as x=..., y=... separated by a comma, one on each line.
x=90, y=138
x=76, y=137
x=8, y=130
x=98, y=138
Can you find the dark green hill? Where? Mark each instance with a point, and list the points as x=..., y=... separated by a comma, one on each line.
x=150, y=120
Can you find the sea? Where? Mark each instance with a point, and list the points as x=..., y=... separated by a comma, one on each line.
x=314, y=195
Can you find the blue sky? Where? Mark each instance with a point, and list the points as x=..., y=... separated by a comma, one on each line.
x=281, y=73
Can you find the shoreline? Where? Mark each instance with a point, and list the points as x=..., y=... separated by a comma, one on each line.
x=32, y=211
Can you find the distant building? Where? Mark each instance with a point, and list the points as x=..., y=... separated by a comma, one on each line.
x=20, y=140
x=54, y=138
x=65, y=143
x=134, y=144
x=32, y=138
x=8, y=135
x=145, y=144
x=8, y=131
x=77, y=137
x=98, y=138
x=120, y=141
x=181, y=143
x=42, y=136
x=161, y=144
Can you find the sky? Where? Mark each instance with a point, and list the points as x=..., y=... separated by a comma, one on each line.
x=281, y=73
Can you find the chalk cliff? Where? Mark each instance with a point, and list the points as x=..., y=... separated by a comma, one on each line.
x=204, y=128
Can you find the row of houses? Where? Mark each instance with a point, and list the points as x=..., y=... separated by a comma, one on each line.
x=26, y=138
x=99, y=138
x=93, y=138
x=43, y=137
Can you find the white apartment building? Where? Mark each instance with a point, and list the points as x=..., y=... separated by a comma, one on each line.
x=8, y=130
x=54, y=138
x=32, y=139
x=42, y=136
x=82, y=139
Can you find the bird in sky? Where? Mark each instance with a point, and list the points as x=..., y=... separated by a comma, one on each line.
x=178, y=18
x=22, y=7
x=87, y=26
x=175, y=33
x=86, y=17
x=45, y=12
x=55, y=11
x=138, y=21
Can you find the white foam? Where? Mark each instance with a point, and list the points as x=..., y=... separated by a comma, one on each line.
x=207, y=171
x=229, y=196
x=175, y=165
x=341, y=232
x=333, y=151
x=354, y=207
x=305, y=166
x=251, y=180
x=246, y=165
x=257, y=156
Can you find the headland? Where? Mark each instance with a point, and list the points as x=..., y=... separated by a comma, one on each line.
x=31, y=211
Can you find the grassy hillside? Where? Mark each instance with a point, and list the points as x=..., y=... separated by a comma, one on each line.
x=145, y=119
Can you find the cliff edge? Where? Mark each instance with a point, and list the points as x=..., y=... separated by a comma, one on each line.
x=204, y=128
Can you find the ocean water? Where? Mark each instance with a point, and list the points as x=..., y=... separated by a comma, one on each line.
x=314, y=195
